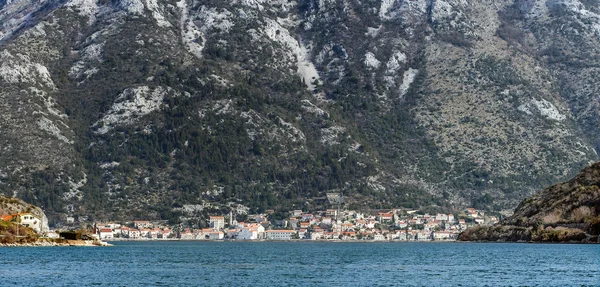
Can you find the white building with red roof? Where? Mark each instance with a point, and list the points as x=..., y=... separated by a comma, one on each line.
x=105, y=233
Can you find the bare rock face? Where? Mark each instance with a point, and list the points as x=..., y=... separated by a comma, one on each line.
x=564, y=212
x=113, y=109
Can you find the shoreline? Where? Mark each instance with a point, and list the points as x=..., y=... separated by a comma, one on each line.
x=355, y=241
x=45, y=243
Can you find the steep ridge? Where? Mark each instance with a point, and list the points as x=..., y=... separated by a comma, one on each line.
x=149, y=108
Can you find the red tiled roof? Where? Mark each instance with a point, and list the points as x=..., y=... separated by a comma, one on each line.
x=7, y=217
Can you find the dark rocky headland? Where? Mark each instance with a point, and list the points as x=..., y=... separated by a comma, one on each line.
x=564, y=212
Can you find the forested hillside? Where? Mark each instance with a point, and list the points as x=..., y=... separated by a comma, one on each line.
x=160, y=109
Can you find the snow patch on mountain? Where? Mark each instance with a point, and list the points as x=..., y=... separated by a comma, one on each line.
x=132, y=104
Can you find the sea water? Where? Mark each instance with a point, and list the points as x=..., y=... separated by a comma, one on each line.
x=194, y=263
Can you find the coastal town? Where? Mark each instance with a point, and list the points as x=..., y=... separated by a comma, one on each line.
x=330, y=224
x=335, y=223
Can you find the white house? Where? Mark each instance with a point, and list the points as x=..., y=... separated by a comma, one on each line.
x=441, y=217
x=462, y=224
x=203, y=233
x=400, y=235
x=444, y=235
x=294, y=222
x=105, y=233
x=142, y=224
x=186, y=234
x=145, y=232
x=402, y=224
x=302, y=233
x=331, y=213
x=216, y=235
x=423, y=236
x=31, y=221
x=247, y=234
x=134, y=233
x=315, y=235
x=379, y=237
x=165, y=233
x=385, y=217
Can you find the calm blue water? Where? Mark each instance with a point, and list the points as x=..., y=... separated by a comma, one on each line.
x=302, y=264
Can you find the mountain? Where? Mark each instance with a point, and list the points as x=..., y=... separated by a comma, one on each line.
x=568, y=211
x=158, y=109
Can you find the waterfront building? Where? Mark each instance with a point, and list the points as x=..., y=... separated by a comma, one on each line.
x=217, y=222
x=279, y=234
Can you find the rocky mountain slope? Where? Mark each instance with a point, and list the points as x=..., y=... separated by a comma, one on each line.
x=563, y=212
x=162, y=108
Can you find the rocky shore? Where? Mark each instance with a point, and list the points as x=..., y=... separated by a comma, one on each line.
x=511, y=233
x=45, y=243
x=566, y=212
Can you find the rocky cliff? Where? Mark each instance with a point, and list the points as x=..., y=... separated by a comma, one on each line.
x=162, y=108
x=564, y=212
x=9, y=205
